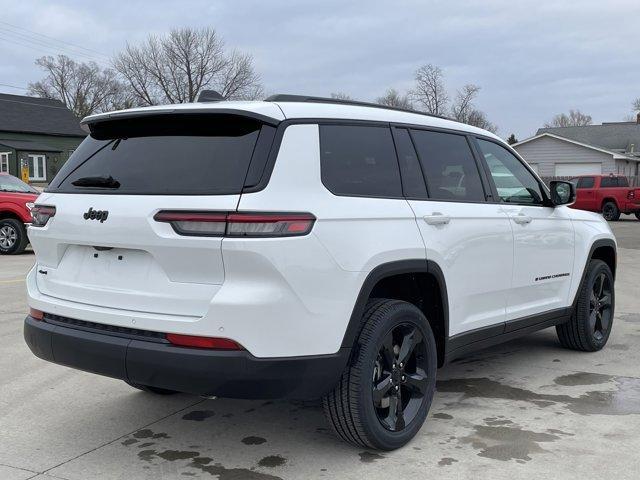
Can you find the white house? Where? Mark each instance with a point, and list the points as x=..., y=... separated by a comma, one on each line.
x=591, y=149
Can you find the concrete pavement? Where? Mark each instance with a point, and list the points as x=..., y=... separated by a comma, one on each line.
x=526, y=409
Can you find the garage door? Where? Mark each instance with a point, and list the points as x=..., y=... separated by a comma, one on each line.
x=573, y=169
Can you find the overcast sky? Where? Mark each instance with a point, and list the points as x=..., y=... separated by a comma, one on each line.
x=533, y=59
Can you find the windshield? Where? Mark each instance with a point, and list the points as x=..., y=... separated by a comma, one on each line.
x=162, y=155
x=9, y=183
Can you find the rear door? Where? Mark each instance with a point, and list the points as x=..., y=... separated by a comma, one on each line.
x=544, y=236
x=469, y=238
x=103, y=246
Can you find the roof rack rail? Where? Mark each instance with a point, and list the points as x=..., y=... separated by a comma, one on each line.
x=285, y=97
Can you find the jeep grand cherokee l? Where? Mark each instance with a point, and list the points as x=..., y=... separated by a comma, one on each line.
x=307, y=248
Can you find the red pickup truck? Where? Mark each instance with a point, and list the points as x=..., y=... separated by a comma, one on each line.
x=606, y=194
x=16, y=200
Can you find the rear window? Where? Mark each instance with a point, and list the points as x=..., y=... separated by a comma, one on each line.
x=163, y=155
x=359, y=161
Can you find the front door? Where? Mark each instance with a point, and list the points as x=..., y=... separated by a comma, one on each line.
x=543, y=236
x=469, y=238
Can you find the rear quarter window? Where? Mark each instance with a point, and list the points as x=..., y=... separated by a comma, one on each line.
x=359, y=161
x=608, y=182
x=163, y=155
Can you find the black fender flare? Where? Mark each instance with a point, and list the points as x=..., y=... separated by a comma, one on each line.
x=388, y=270
x=603, y=242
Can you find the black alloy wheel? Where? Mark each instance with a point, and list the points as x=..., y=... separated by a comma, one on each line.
x=600, y=306
x=399, y=377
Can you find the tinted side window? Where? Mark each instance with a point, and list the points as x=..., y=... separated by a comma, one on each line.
x=412, y=179
x=608, y=182
x=623, y=182
x=586, y=182
x=450, y=169
x=515, y=184
x=359, y=160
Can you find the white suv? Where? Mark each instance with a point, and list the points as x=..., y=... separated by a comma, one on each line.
x=304, y=247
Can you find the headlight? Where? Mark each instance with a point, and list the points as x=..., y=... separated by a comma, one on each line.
x=30, y=205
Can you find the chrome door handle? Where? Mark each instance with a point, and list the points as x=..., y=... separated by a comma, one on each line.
x=437, y=218
x=521, y=219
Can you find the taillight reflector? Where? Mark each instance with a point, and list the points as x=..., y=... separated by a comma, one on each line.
x=36, y=314
x=238, y=224
x=213, y=343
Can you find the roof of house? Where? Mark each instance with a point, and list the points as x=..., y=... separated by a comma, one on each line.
x=27, y=145
x=615, y=154
x=617, y=137
x=37, y=115
x=277, y=111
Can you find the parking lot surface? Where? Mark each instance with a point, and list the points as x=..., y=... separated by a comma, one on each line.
x=525, y=409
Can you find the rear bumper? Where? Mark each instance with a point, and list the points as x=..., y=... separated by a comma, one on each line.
x=235, y=374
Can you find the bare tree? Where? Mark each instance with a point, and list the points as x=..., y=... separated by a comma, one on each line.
x=84, y=88
x=463, y=109
x=341, y=96
x=636, y=105
x=575, y=118
x=393, y=98
x=174, y=68
x=430, y=92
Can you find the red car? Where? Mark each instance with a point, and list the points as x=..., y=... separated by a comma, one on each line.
x=607, y=194
x=16, y=201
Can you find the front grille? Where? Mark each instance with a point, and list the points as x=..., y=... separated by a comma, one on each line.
x=112, y=330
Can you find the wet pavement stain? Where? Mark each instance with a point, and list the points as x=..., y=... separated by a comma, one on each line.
x=198, y=415
x=582, y=378
x=369, y=457
x=624, y=400
x=129, y=441
x=272, y=461
x=630, y=317
x=619, y=347
x=253, y=440
x=446, y=461
x=169, y=455
x=442, y=416
x=507, y=443
x=146, y=444
x=224, y=473
x=496, y=422
x=146, y=433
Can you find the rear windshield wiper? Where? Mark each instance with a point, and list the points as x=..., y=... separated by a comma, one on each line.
x=99, y=182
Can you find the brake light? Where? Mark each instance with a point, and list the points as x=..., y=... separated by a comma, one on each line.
x=41, y=214
x=213, y=343
x=238, y=224
x=36, y=314
x=631, y=194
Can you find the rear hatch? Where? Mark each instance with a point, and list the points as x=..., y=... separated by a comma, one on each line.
x=104, y=248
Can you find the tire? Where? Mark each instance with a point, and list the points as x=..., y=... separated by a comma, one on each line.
x=148, y=389
x=637, y=215
x=389, y=328
x=610, y=211
x=591, y=322
x=13, y=237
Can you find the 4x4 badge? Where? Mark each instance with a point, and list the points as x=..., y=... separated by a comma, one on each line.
x=92, y=214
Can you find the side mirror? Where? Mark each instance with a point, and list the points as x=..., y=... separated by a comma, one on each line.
x=562, y=193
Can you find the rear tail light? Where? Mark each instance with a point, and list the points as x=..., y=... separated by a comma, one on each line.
x=36, y=314
x=213, y=343
x=631, y=195
x=41, y=214
x=219, y=224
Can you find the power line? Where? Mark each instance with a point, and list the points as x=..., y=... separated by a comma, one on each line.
x=21, y=29
x=42, y=43
x=13, y=86
x=41, y=48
